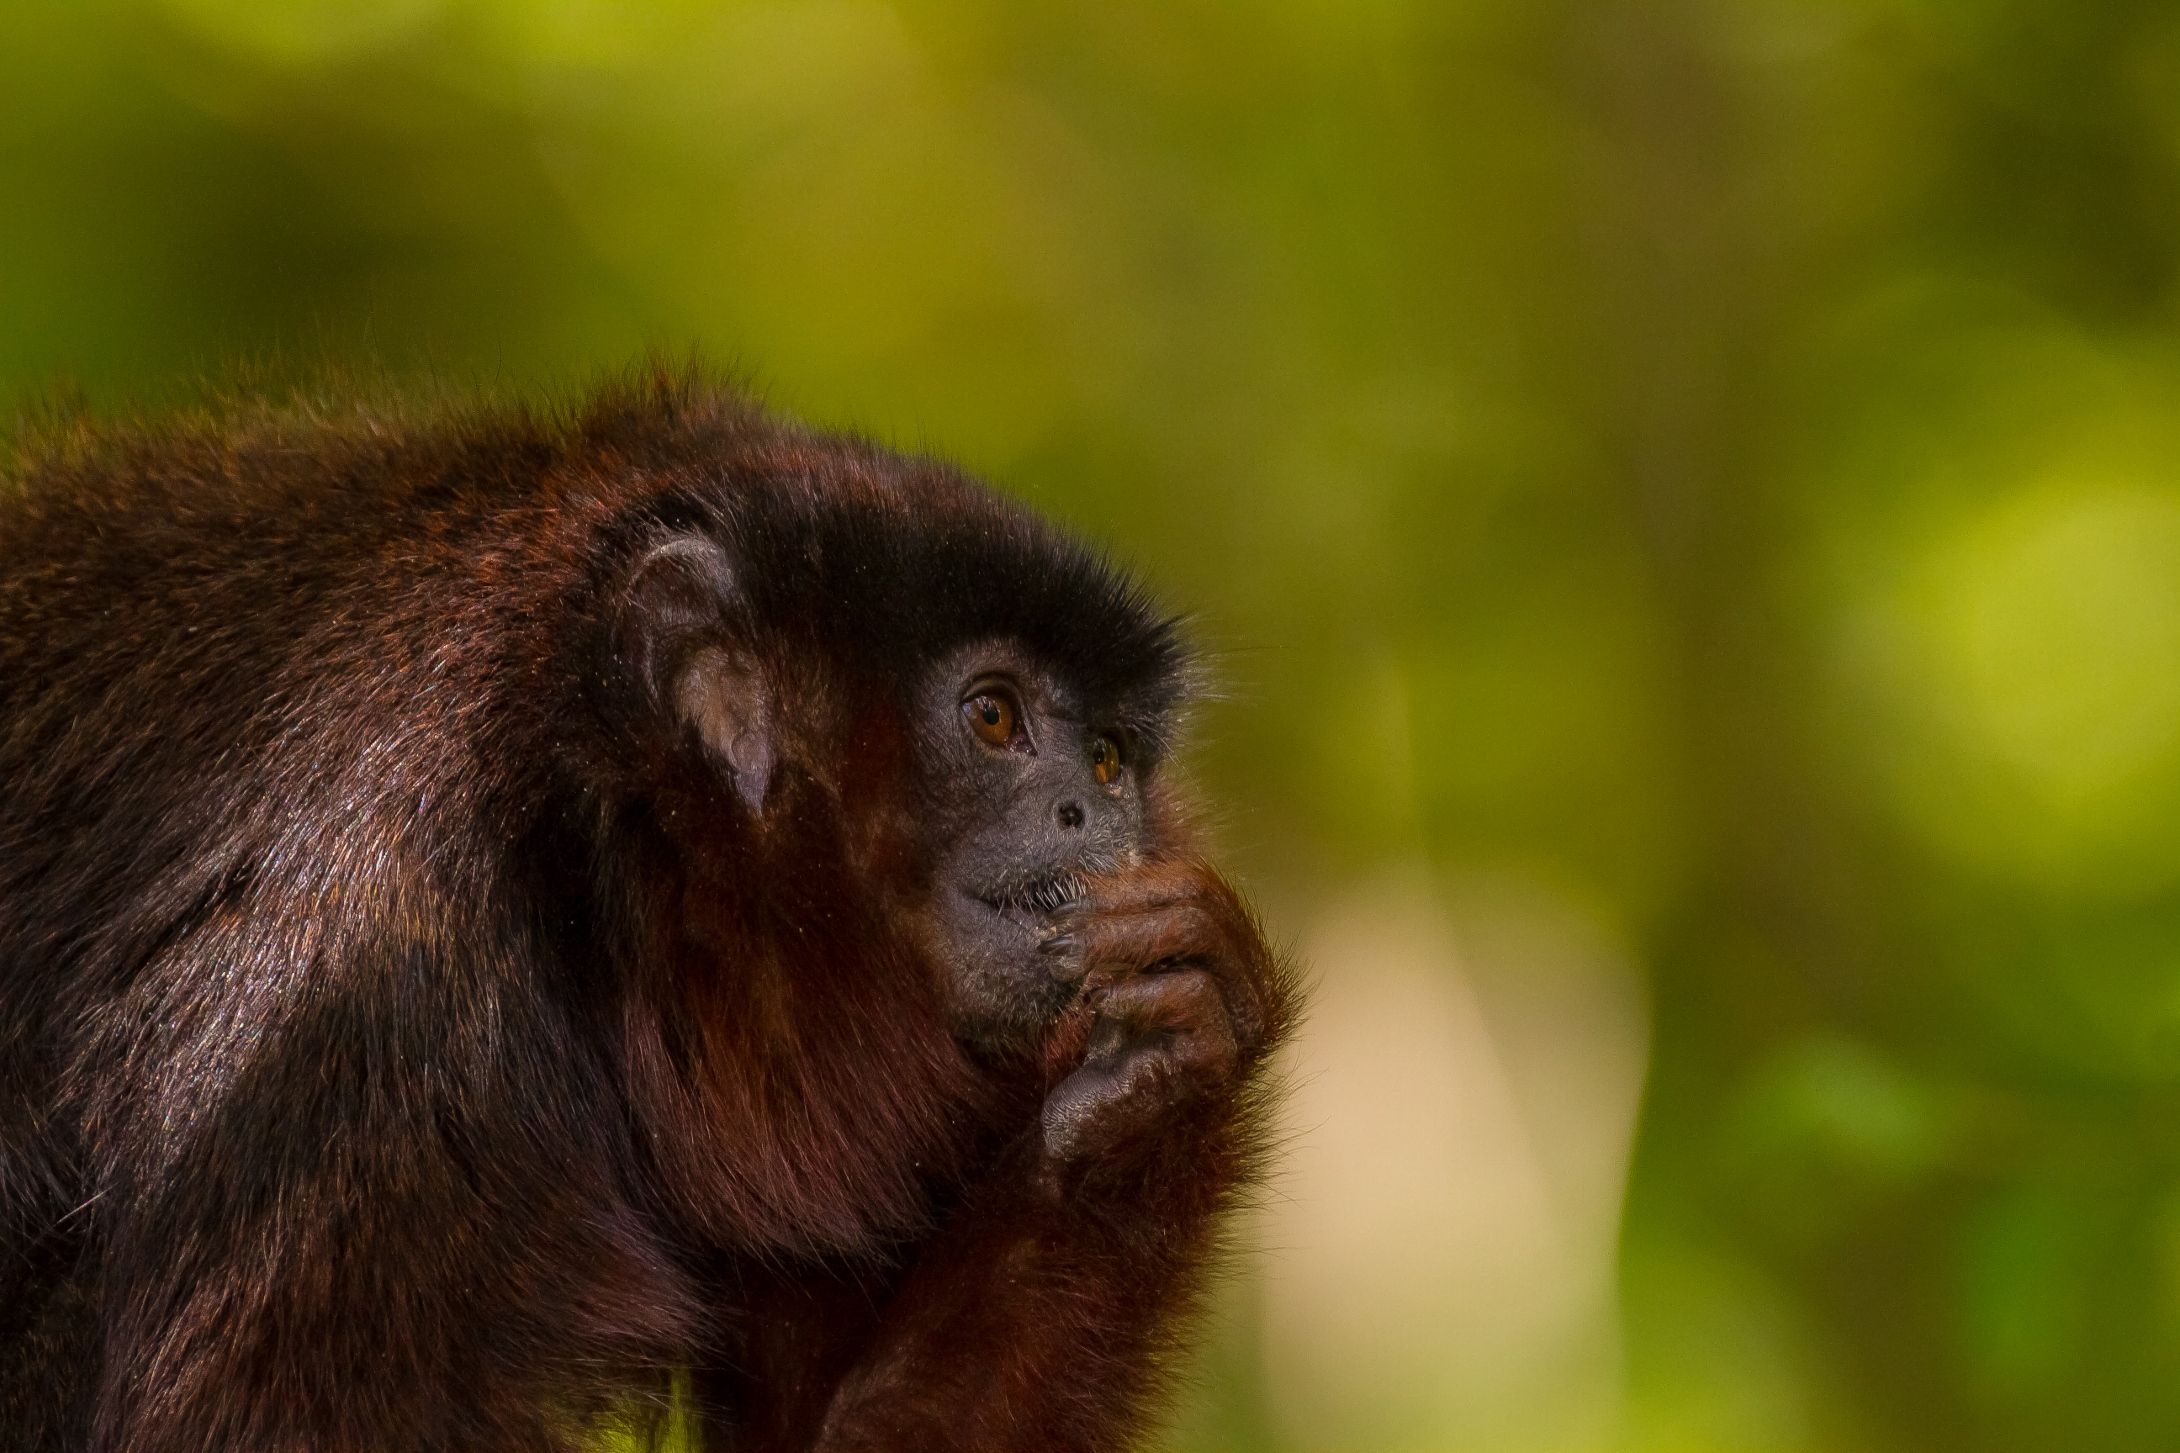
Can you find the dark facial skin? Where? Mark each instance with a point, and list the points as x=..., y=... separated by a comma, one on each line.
x=1034, y=792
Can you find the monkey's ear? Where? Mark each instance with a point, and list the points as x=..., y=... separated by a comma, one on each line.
x=683, y=627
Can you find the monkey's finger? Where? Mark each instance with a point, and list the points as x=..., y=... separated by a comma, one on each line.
x=1126, y=942
x=1183, y=1013
x=1106, y=1101
x=1158, y=1041
x=1216, y=935
x=1159, y=884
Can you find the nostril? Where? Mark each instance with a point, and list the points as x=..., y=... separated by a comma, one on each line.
x=1071, y=814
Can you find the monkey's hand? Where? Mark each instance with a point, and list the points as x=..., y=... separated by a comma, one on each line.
x=1180, y=998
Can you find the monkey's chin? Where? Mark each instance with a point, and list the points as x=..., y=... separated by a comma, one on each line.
x=1006, y=1036
x=1001, y=991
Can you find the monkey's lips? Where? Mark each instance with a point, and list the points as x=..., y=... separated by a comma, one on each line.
x=1034, y=897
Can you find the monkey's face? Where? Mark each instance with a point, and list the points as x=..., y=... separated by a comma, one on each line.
x=1030, y=789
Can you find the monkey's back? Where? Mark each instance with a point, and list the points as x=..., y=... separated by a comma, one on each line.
x=273, y=695
x=205, y=634
x=202, y=634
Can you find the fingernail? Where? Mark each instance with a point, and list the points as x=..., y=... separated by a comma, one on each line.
x=1057, y=943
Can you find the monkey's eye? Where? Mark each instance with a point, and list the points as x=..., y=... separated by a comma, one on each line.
x=992, y=715
x=1105, y=761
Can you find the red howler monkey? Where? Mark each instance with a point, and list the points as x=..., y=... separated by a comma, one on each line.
x=503, y=917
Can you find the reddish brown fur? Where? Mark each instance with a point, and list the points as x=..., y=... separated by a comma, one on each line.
x=406, y=1041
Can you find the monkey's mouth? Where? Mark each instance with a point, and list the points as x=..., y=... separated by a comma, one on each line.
x=1034, y=895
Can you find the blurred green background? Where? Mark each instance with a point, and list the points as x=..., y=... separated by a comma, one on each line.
x=1685, y=495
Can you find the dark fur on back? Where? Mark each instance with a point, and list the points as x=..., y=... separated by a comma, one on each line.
x=354, y=952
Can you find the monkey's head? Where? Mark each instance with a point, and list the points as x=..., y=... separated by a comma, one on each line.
x=894, y=700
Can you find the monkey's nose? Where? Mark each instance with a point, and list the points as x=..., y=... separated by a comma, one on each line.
x=1071, y=814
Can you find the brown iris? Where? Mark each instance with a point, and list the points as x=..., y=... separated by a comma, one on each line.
x=992, y=717
x=1105, y=761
